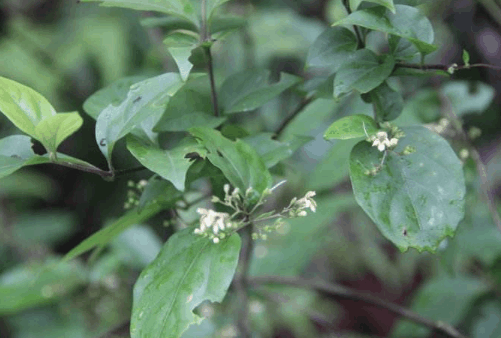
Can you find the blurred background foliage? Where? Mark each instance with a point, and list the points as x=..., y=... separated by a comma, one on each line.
x=67, y=51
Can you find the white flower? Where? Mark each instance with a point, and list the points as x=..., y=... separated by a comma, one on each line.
x=382, y=142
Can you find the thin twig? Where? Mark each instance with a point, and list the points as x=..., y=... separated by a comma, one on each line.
x=215, y=105
x=240, y=282
x=445, y=68
x=344, y=292
x=306, y=101
x=94, y=170
x=361, y=42
x=482, y=171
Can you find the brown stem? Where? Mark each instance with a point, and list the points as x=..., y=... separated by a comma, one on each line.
x=344, y=292
x=210, y=67
x=445, y=67
x=306, y=101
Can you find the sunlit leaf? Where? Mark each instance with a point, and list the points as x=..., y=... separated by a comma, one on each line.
x=54, y=129
x=352, y=126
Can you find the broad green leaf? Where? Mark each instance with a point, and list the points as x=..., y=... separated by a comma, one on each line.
x=54, y=129
x=180, y=43
x=388, y=103
x=28, y=183
x=489, y=325
x=415, y=200
x=250, y=89
x=190, y=107
x=332, y=48
x=386, y=3
x=34, y=284
x=468, y=97
x=144, y=100
x=137, y=246
x=105, y=235
x=442, y=299
x=23, y=106
x=238, y=161
x=363, y=72
x=181, y=56
x=168, y=23
x=223, y=24
x=272, y=151
x=158, y=191
x=46, y=227
x=16, y=152
x=172, y=164
x=408, y=22
x=113, y=94
x=352, y=126
x=189, y=270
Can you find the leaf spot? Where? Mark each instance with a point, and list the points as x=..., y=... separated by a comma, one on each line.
x=137, y=99
x=404, y=232
x=189, y=299
x=102, y=143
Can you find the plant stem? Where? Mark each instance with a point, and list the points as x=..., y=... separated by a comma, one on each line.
x=344, y=292
x=361, y=43
x=445, y=67
x=240, y=282
x=109, y=175
x=206, y=43
x=306, y=101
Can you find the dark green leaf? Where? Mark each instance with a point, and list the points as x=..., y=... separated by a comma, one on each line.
x=352, y=126
x=488, y=326
x=47, y=227
x=332, y=48
x=386, y=3
x=189, y=270
x=363, y=72
x=226, y=23
x=408, y=23
x=158, y=191
x=443, y=299
x=105, y=235
x=172, y=164
x=415, y=200
x=146, y=99
x=388, y=103
x=241, y=165
x=250, y=89
x=35, y=284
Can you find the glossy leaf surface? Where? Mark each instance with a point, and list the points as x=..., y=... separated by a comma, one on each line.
x=415, y=200
x=144, y=100
x=239, y=162
x=249, y=90
x=363, y=72
x=189, y=270
x=352, y=126
x=172, y=164
x=408, y=23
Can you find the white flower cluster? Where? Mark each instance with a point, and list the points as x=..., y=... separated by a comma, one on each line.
x=297, y=206
x=134, y=193
x=214, y=225
x=382, y=142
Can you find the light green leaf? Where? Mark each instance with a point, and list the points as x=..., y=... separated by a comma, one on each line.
x=272, y=151
x=489, y=325
x=443, y=299
x=180, y=43
x=466, y=57
x=386, y=3
x=332, y=48
x=172, y=164
x=105, y=235
x=363, y=72
x=415, y=200
x=144, y=100
x=352, y=126
x=388, y=103
x=137, y=246
x=181, y=56
x=468, y=97
x=23, y=106
x=238, y=161
x=54, y=129
x=113, y=94
x=37, y=283
x=189, y=270
x=250, y=89
x=16, y=152
x=408, y=22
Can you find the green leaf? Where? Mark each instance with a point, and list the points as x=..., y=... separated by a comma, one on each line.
x=466, y=58
x=113, y=94
x=444, y=299
x=408, y=23
x=415, y=200
x=172, y=164
x=180, y=43
x=488, y=326
x=238, y=161
x=54, y=129
x=363, y=72
x=250, y=89
x=137, y=246
x=332, y=48
x=46, y=227
x=144, y=100
x=189, y=270
x=158, y=191
x=272, y=151
x=16, y=152
x=467, y=97
x=23, y=106
x=386, y=3
x=190, y=107
x=34, y=284
x=105, y=235
x=352, y=126
x=388, y=103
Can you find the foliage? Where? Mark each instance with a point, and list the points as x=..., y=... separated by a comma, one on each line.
x=357, y=125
